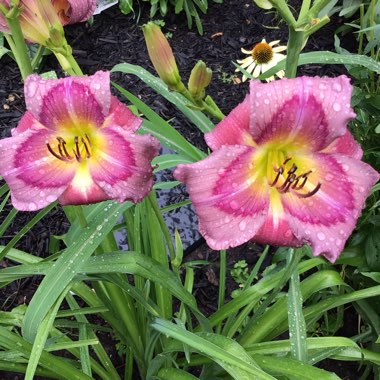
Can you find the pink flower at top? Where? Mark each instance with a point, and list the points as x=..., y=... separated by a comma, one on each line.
x=76, y=143
x=38, y=17
x=284, y=169
x=73, y=11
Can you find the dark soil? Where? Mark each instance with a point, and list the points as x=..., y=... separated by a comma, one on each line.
x=114, y=38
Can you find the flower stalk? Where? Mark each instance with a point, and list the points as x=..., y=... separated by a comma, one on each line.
x=17, y=45
x=295, y=45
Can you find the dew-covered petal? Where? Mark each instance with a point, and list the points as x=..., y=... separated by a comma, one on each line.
x=277, y=234
x=26, y=122
x=35, y=177
x=309, y=111
x=122, y=116
x=346, y=145
x=73, y=11
x=69, y=100
x=229, y=199
x=327, y=219
x=122, y=165
x=233, y=129
x=83, y=189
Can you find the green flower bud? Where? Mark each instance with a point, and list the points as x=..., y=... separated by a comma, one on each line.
x=200, y=78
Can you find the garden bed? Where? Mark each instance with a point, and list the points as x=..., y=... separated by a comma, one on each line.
x=114, y=38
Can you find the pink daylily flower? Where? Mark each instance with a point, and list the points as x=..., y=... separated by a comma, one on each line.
x=39, y=16
x=284, y=169
x=76, y=143
x=73, y=11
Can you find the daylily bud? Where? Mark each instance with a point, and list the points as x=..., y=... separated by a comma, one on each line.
x=161, y=55
x=200, y=78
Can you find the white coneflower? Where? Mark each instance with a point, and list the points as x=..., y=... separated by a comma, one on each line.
x=262, y=57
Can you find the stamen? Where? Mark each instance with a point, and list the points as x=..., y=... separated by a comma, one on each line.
x=53, y=153
x=63, y=153
x=291, y=182
x=310, y=193
x=76, y=149
x=88, y=153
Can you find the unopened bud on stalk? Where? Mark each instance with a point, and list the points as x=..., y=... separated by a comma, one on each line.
x=200, y=78
x=161, y=55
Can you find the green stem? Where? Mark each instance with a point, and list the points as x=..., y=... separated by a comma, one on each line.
x=372, y=37
x=211, y=109
x=304, y=9
x=295, y=45
x=284, y=11
x=37, y=57
x=68, y=64
x=19, y=49
x=222, y=283
x=74, y=64
x=222, y=278
x=361, y=35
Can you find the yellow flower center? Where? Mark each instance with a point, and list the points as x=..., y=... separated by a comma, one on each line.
x=79, y=148
x=262, y=53
x=285, y=172
x=75, y=142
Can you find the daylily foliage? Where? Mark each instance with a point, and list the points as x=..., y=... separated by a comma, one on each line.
x=76, y=143
x=284, y=170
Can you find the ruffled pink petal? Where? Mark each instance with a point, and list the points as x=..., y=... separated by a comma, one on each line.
x=326, y=219
x=309, y=111
x=83, y=190
x=277, y=234
x=122, y=168
x=73, y=11
x=122, y=116
x=27, y=121
x=34, y=176
x=53, y=101
x=346, y=145
x=231, y=203
x=233, y=129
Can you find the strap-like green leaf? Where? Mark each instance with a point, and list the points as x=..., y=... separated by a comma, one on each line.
x=66, y=267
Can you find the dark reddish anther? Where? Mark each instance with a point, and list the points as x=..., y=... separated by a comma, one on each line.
x=310, y=193
x=64, y=155
x=279, y=171
x=88, y=153
x=292, y=180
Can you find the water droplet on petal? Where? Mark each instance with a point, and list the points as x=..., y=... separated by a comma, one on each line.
x=337, y=87
x=234, y=205
x=337, y=107
x=32, y=206
x=321, y=236
x=242, y=225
